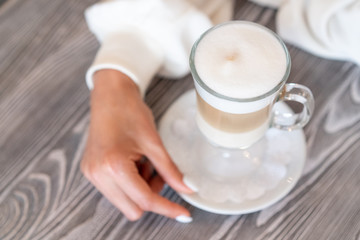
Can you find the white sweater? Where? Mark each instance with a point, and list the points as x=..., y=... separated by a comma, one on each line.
x=142, y=38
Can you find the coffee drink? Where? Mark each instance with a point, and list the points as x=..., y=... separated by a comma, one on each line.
x=239, y=70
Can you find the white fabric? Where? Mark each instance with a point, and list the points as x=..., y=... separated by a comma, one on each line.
x=327, y=28
x=145, y=37
x=217, y=10
x=269, y=3
x=121, y=52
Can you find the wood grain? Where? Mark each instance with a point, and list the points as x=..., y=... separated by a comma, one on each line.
x=45, y=49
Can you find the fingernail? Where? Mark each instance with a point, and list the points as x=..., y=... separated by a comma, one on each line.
x=184, y=219
x=190, y=184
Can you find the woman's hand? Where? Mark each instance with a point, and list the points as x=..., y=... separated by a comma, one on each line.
x=122, y=131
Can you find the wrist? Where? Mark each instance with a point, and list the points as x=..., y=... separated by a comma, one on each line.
x=112, y=86
x=113, y=79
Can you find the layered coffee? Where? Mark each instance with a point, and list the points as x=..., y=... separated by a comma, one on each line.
x=232, y=122
x=239, y=69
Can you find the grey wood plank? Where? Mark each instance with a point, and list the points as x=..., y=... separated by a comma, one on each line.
x=2, y=2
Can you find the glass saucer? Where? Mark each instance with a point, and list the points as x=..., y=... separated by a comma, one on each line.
x=231, y=181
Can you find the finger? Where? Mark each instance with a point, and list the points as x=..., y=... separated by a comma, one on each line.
x=117, y=197
x=164, y=165
x=134, y=186
x=146, y=170
x=156, y=184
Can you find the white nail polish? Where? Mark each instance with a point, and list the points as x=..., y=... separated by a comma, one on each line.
x=184, y=219
x=190, y=184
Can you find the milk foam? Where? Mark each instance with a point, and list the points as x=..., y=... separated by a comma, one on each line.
x=240, y=60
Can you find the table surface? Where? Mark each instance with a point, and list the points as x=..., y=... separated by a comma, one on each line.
x=45, y=49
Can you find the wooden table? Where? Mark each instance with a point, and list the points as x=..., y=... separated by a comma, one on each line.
x=45, y=49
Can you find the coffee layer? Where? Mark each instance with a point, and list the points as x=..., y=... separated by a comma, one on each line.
x=229, y=122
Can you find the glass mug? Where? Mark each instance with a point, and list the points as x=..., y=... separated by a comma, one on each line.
x=240, y=122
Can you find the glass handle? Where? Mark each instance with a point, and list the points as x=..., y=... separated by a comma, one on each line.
x=291, y=121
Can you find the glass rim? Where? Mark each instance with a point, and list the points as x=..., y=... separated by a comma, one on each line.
x=219, y=95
